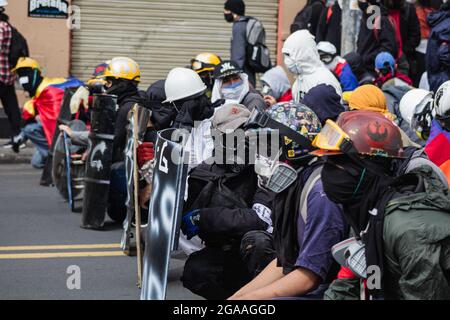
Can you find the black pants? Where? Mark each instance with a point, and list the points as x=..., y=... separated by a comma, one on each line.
x=216, y=274
x=11, y=105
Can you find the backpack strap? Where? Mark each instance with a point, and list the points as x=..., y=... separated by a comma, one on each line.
x=310, y=183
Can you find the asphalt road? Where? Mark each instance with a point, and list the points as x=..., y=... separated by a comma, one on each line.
x=40, y=239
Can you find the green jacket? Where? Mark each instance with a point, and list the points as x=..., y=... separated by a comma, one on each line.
x=416, y=246
x=417, y=242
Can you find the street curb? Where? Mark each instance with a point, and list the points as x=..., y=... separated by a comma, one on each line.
x=8, y=158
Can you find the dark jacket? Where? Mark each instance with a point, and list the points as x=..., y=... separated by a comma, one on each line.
x=416, y=244
x=410, y=30
x=329, y=27
x=356, y=63
x=238, y=50
x=373, y=41
x=308, y=17
x=126, y=103
x=225, y=195
x=438, y=55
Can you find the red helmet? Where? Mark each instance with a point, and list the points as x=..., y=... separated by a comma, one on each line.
x=371, y=133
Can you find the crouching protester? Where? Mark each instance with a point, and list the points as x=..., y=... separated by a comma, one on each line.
x=232, y=85
x=40, y=113
x=122, y=76
x=306, y=223
x=401, y=223
x=224, y=208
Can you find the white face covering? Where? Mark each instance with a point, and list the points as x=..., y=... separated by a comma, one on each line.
x=233, y=92
x=291, y=65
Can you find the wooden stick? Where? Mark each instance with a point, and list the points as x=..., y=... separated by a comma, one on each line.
x=137, y=209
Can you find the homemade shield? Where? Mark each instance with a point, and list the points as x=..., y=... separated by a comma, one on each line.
x=59, y=168
x=166, y=205
x=128, y=242
x=64, y=117
x=98, y=163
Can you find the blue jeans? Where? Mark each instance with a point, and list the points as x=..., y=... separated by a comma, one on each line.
x=35, y=133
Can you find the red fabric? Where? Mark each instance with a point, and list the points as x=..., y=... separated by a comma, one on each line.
x=345, y=273
x=329, y=13
x=48, y=105
x=394, y=16
x=383, y=79
x=403, y=77
x=422, y=14
x=438, y=150
x=339, y=67
x=145, y=153
x=287, y=97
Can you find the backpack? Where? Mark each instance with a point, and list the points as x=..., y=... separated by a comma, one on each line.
x=258, y=55
x=19, y=47
x=315, y=176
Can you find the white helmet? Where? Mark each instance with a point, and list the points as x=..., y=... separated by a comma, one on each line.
x=182, y=83
x=326, y=47
x=442, y=100
x=3, y=3
x=414, y=102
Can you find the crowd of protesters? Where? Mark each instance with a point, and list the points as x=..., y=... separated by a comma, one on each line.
x=356, y=191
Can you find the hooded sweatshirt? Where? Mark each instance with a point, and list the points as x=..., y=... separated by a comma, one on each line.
x=325, y=102
x=278, y=81
x=301, y=49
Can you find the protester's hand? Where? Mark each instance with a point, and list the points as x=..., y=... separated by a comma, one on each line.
x=66, y=129
x=270, y=101
x=145, y=153
x=80, y=97
x=190, y=222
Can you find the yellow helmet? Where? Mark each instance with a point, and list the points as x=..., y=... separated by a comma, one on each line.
x=205, y=62
x=26, y=63
x=123, y=68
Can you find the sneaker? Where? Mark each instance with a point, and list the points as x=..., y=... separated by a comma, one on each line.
x=9, y=145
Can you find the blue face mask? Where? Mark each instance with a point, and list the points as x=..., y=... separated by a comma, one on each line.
x=233, y=85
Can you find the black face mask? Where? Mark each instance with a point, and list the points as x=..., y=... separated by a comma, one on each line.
x=343, y=181
x=30, y=80
x=229, y=17
x=121, y=89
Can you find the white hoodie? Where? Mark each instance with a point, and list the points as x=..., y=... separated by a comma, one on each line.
x=302, y=59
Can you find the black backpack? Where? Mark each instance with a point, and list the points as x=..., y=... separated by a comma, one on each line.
x=19, y=47
x=258, y=55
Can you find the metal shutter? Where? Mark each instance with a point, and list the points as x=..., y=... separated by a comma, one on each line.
x=159, y=35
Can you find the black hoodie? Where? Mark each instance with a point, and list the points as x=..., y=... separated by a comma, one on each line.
x=373, y=41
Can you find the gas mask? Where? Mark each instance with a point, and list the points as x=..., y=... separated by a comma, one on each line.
x=274, y=175
x=267, y=90
x=421, y=123
x=351, y=254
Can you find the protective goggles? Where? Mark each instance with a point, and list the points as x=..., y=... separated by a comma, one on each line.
x=273, y=175
x=199, y=66
x=326, y=57
x=330, y=140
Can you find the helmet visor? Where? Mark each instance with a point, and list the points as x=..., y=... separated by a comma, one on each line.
x=331, y=137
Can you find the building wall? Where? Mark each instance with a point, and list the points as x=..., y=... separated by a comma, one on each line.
x=48, y=40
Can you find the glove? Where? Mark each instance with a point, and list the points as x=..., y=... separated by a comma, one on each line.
x=145, y=153
x=189, y=224
x=80, y=97
x=262, y=205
